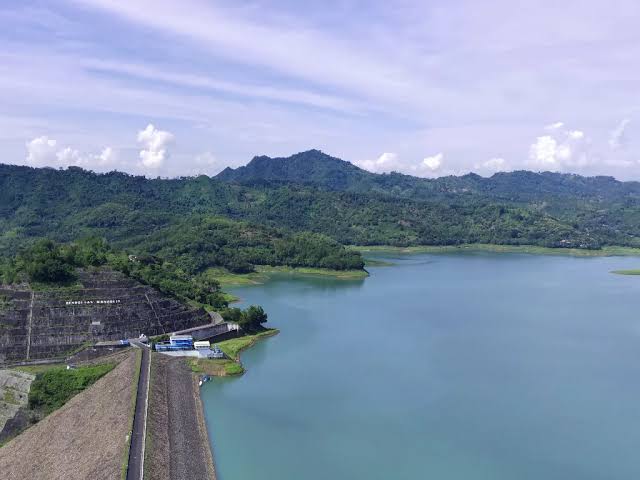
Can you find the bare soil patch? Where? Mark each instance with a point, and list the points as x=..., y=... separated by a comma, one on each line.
x=86, y=438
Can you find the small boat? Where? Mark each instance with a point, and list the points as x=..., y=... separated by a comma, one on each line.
x=203, y=379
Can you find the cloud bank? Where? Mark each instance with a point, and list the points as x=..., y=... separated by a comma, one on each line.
x=44, y=152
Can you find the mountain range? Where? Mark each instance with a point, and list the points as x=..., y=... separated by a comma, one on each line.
x=311, y=192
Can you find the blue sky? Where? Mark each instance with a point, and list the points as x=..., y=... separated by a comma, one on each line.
x=426, y=88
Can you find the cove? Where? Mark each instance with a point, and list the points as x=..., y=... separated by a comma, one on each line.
x=452, y=366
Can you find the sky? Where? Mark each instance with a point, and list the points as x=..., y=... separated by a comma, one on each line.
x=428, y=88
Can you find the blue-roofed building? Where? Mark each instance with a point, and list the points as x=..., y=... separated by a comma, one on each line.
x=176, y=342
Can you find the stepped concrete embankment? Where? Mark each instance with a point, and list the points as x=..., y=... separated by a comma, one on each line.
x=109, y=306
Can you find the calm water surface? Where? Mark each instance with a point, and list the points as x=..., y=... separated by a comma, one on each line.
x=446, y=367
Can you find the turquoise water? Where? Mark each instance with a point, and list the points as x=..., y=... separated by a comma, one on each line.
x=446, y=367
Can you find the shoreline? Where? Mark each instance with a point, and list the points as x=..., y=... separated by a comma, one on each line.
x=608, y=251
x=202, y=423
x=263, y=272
x=231, y=366
x=202, y=426
x=630, y=272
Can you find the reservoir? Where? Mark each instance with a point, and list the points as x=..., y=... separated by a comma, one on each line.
x=443, y=366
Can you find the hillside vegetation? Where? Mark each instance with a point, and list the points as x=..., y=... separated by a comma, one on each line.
x=602, y=208
x=297, y=211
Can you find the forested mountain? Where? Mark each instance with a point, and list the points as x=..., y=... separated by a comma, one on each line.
x=601, y=207
x=270, y=204
x=318, y=169
x=312, y=167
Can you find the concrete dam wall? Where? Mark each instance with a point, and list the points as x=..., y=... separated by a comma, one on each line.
x=110, y=306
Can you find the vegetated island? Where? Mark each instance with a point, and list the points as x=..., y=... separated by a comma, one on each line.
x=627, y=272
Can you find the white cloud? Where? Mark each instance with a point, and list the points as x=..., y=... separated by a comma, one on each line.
x=544, y=151
x=493, y=165
x=107, y=157
x=561, y=150
x=387, y=162
x=44, y=152
x=576, y=134
x=41, y=152
x=155, y=143
x=70, y=156
x=554, y=126
x=391, y=162
x=434, y=162
x=206, y=163
x=617, y=136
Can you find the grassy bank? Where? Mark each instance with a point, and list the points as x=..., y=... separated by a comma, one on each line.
x=215, y=367
x=481, y=247
x=627, y=272
x=226, y=278
x=54, y=387
x=261, y=275
x=321, y=272
x=232, y=349
x=374, y=262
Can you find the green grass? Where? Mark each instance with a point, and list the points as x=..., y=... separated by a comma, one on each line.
x=374, y=262
x=261, y=275
x=481, y=247
x=626, y=272
x=324, y=272
x=233, y=347
x=228, y=366
x=36, y=369
x=52, y=388
x=231, y=298
x=227, y=278
x=10, y=397
x=216, y=367
x=234, y=368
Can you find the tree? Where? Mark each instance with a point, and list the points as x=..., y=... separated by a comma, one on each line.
x=250, y=320
x=45, y=262
x=253, y=318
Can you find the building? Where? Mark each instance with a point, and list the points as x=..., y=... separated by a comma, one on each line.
x=176, y=342
x=213, y=352
x=184, y=341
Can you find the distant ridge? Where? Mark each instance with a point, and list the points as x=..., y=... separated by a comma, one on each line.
x=318, y=169
x=310, y=167
x=311, y=192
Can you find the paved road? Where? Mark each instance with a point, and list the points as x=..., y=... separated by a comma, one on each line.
x=136, y=451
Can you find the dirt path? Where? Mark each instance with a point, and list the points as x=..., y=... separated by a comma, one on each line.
x=86, y=438
x=178, y=444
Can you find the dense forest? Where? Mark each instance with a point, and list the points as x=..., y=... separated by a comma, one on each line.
x=45, y=264
x=606, y=210
x=300, y=210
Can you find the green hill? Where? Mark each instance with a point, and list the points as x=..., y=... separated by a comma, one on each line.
x=269, y=202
